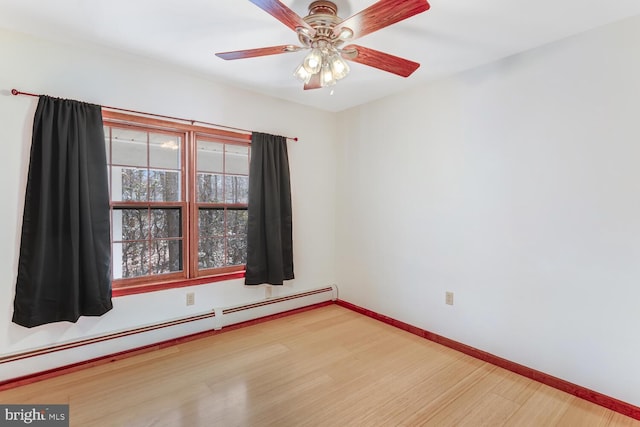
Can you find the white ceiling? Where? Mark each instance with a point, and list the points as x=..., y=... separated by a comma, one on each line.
x=452, y=36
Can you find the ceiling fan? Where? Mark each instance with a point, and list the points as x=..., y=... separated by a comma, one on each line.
x=323, y=32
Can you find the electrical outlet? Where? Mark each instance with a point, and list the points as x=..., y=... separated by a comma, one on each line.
x=448, y=299
x=191, y=298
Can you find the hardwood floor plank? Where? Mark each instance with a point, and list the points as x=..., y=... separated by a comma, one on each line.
x=581, y=413
x=543, y=408
x=476, y=407
x=491, y=410
x=515, y=387
x=619, y=420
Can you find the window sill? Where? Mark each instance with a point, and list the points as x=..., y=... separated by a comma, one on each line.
x=140, y=289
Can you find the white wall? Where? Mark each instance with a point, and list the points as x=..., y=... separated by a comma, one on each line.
x=517, y=187
x=112, y=78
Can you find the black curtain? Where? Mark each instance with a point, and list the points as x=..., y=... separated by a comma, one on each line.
x=63, y=271
x=269, y=230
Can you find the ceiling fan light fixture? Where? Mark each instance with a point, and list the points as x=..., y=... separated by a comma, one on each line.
x=325, y=64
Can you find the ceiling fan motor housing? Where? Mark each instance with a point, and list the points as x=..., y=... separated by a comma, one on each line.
x=322, y=17
x=323, y=7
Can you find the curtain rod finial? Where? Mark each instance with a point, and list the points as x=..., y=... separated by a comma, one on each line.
x=14, y=92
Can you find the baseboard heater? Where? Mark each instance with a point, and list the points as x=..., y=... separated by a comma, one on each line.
x=59, y=356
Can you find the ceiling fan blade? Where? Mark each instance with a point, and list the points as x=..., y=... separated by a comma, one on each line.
x=380, y=60
x=263, y=51
x=283, y=14
x=314, y=83
x=380, y=15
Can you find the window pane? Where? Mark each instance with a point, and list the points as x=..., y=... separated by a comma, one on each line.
x=211, y=253
x=107, y=143
x=164, y=151
x=133, y=185
x=129, y=147
x=236, y=250
x=109, y=183
x=116, y=227
x=210, y=157
x=236, y=189
x=164, y=186
x=166, y=223
x=210, y=188
x=133, y=260
x=236, y=159
x=130, y=224
x=210, y=223
x=116, y=260
x=166, y=256
x=237, y=222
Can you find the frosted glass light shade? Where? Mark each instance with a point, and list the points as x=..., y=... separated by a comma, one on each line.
x=313, y=61
x=326, y=76
x=339, y=67
x=302, y=74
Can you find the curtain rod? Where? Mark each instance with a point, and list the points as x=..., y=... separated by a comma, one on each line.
x=17, y=92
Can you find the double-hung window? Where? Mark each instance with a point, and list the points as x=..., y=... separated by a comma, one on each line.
x=179, y=197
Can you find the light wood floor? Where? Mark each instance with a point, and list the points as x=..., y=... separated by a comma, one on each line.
x=325, y=367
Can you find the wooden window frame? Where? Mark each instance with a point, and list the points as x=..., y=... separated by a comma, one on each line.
x=191, y=274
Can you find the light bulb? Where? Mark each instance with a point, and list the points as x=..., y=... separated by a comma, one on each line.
x=313, y=61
